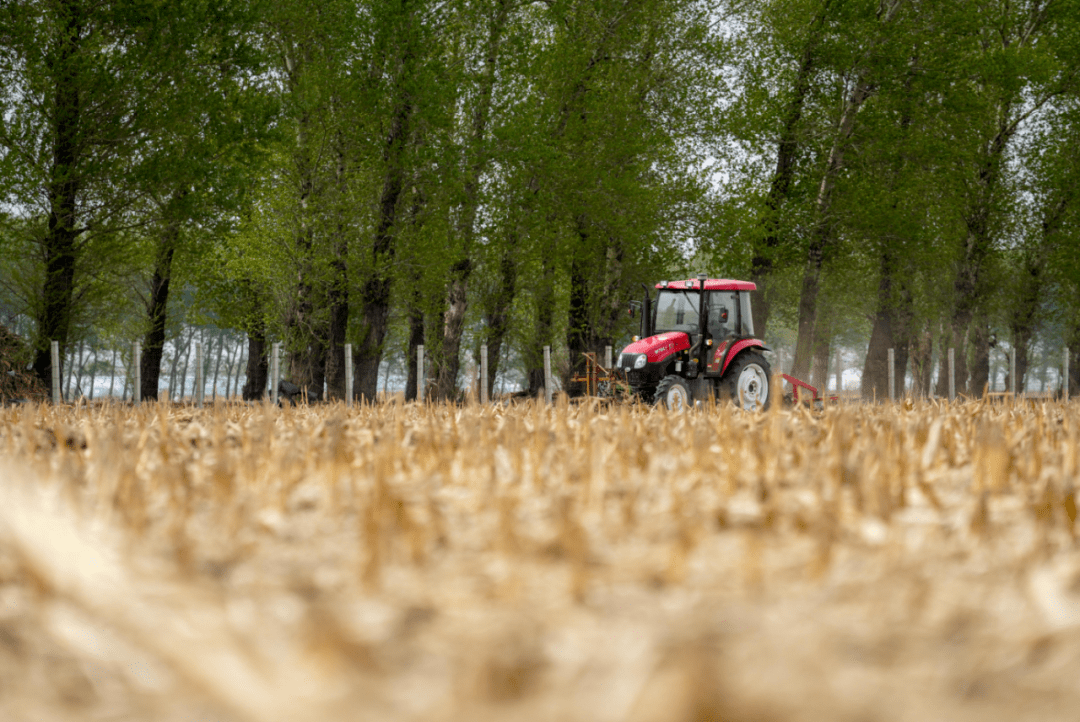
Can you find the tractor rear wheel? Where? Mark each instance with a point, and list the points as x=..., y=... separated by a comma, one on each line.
x=674, y=393
x=747, y=380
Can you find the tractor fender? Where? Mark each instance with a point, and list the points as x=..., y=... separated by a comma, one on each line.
x=731, y=347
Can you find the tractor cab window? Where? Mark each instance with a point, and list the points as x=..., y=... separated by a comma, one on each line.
x=747, y=316
x=677, y=311
x=723, y=313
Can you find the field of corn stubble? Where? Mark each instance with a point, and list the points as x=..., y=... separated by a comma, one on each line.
x=405, y=562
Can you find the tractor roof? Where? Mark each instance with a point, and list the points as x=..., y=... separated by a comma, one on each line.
x=712, y=284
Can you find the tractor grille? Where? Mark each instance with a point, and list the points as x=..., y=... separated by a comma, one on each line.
x=637, y=378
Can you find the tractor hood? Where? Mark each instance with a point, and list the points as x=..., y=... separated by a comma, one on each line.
x=657, y=348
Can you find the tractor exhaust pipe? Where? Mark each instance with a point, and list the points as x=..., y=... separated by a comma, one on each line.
x=703, y=352
x=646, y=313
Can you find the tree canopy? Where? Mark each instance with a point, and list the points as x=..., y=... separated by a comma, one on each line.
x=893, y=174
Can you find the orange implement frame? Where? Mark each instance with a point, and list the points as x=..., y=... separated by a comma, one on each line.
x=797, y=384
x=596, y=374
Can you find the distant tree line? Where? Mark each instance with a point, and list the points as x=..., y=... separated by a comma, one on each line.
x=891, y=173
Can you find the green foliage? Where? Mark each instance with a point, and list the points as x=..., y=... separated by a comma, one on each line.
x=564, y=152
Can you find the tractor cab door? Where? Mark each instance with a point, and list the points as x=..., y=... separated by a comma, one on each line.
x=723, y=311
x=729, y=314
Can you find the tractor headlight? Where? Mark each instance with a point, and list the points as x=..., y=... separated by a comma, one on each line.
x=639, y=362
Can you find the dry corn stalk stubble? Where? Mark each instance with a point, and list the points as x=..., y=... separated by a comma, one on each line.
x=571, y=562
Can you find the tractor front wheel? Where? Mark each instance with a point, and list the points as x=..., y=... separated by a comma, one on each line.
x=748, y=380
x=674, y=393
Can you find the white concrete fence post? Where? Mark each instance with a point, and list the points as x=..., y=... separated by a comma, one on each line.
x=483, y=374
x=607, y=358
x=198, y=374
x=55, y=351
x=136, y=367
x=420, y=372
x=892, y=374
x=547, y=374
x=348, y=376
x=952, y=374
x=275, y=371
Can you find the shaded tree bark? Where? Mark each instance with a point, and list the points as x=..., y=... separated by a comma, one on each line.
x=875, y=374
x=338, y=297
x=375, y=291
x=157, y=310
x=822, y=354
x=921, y=352
x=941, y=389
x=543, y=328
x=822, y=237
x=497, y=314
x=980, y=358
x=457, y=301
x=1024, y=319
x=60, y=248
x=823, y=233
x=763, y=261
x=416, y=339
x=258, y=365
x=579, y=333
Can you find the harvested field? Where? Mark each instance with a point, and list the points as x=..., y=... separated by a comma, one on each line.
x=406, y=562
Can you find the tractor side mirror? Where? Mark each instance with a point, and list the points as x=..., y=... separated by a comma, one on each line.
x=723, y=314
x=630, y=311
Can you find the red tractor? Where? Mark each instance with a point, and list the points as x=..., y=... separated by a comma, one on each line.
x=697, y=342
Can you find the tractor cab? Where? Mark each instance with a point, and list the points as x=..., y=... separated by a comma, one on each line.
x=727, y=310
x=697, y=341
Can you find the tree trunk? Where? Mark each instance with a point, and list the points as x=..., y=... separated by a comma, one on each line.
x=822, y=237
x=921, y=351
x=171, y=391
x=156, y=306
x=217, y=366
x=416, y=339
x=764, y=259
x=875, y=375
x=449, y=357
x=229, y=370
x=543, y=328
x=93, y=371
x=901, y=361
x=240, y=362
x=497, y=315
x=112, y=374
x=304, y=334
x=79, y=367
x=339, y=323
x=187, y=365
x=822, y=352
x=232, y=388
x=375, y=292
x=338, y=299
x=457, y=299
x=579, y=332
x=941, y=390
x=60, y=250
x=980, y=359
x=258, y=366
